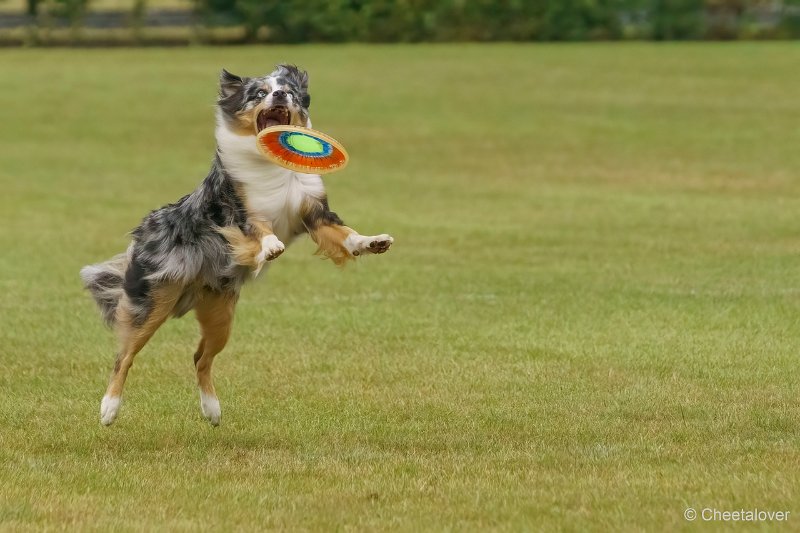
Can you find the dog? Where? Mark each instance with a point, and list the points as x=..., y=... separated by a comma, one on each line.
x=198, y=252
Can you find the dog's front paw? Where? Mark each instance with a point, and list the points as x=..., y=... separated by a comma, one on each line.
x=271, y=247
x=363, y=244
x=379, y=243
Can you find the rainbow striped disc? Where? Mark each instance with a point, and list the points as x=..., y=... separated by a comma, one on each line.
x=302, y=149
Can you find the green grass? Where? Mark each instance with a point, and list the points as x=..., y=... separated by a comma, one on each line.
x=589, y=319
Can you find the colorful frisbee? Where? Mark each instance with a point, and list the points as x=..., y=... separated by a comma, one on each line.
x=302, y=149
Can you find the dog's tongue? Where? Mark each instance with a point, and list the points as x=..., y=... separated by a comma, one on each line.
x=268, y=123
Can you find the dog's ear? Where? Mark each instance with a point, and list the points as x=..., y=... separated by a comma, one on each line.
x=302, y=80
x=302, y=77
x=229, y=84
x=298, y=76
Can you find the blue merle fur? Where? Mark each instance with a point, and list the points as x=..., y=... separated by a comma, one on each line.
x=178, y=243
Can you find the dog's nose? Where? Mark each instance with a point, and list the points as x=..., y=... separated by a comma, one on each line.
x=279, y=95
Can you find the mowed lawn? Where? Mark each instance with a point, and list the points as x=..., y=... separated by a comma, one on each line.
x=590, y=318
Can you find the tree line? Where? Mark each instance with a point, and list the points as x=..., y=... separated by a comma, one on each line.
x=296, y=21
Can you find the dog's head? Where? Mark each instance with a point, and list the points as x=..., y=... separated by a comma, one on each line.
x=248, y=105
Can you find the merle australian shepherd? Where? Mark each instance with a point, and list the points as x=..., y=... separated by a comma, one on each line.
x=198, y=252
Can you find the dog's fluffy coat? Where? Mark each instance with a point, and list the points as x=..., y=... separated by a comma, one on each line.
x=198, y=252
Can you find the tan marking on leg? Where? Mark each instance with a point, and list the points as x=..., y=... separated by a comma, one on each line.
x=245, y=248
x=132, y=338
x=259, y=227
x=330, y=242
x=199, y=352
x=215, y=314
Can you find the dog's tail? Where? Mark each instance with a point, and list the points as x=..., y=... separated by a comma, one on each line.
x=104, y=281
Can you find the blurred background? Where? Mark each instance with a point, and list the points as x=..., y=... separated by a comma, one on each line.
x=163, y=22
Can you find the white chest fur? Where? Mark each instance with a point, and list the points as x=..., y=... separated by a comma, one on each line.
x=272, y=192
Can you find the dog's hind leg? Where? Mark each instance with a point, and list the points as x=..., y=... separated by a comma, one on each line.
x=132, y=338
x=215, y=314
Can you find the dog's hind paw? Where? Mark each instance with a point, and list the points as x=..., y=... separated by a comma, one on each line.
x=109, y=407
x=210, y=407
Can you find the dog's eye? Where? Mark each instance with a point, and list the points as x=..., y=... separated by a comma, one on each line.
x=261, y=94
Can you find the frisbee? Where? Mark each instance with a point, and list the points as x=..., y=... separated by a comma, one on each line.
x=302, y=149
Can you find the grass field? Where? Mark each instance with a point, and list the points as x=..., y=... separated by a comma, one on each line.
x=589, y=319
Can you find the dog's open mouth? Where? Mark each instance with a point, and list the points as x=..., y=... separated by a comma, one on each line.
x=274, y=116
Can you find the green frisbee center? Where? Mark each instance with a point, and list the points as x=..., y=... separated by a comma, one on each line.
x=304, y=143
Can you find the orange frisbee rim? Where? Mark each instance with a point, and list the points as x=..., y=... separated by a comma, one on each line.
x=302, y=149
